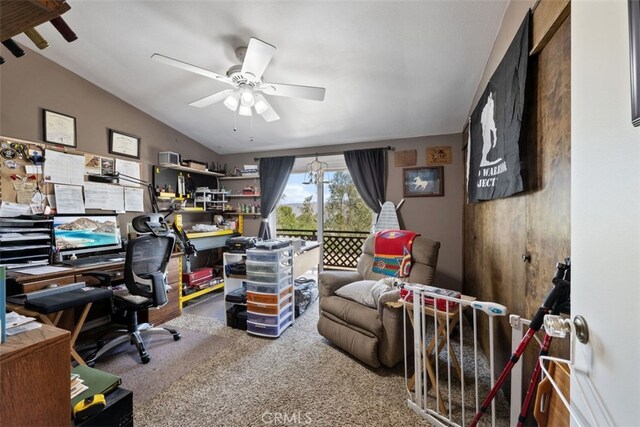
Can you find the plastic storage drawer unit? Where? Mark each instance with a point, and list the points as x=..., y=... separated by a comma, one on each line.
x=269, y=330
x=273, y=309
x=269, y=288
x=268, y=267
x=267, y=277
x=276, y=255
x=268, y=298
x=266, y=319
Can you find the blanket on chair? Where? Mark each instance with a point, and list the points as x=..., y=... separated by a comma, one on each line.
x=392, y=252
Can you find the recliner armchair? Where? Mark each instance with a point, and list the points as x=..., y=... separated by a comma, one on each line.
x=145, y=280
x=374, y=336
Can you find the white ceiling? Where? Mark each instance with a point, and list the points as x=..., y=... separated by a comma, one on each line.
x=392, y=69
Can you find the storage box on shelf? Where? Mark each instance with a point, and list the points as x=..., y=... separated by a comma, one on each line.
x=269, y=291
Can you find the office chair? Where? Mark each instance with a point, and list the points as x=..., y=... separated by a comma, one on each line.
x=145, y=280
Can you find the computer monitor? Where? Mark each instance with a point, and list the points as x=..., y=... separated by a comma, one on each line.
x=77, y=234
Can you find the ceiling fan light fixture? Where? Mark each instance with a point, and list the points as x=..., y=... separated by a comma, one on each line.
x=244, y=110
x=247, y=98
x=232, y=101
x=260, y=104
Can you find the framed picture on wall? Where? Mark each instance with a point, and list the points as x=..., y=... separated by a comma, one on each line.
x=59, y=128
x=124, y=144
x=423, y=181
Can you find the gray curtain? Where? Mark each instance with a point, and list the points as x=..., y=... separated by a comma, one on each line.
x=274, y=173
x=368, y=171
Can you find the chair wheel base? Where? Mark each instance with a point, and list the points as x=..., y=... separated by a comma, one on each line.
x=177, y=336
x=145, y=359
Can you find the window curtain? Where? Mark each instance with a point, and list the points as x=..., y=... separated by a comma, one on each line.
x=274, y=173
x=368, y=171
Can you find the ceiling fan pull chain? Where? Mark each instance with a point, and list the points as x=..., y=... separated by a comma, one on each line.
x=235, y=121
x=251, y=139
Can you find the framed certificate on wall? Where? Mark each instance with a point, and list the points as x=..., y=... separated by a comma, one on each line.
x=124, y=144
x=59, y=128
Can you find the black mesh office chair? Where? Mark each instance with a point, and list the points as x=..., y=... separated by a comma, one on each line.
x=145, y=279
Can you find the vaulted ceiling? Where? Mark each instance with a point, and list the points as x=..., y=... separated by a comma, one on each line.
x=391, y=69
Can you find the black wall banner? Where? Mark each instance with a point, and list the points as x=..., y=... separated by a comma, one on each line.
x=493, y=159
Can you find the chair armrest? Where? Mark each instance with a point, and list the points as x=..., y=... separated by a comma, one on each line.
x=331, y=281
x=389, y=296
x=105, y=277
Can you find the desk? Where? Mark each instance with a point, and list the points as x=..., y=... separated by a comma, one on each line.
x=18, y=283
x=204, y=241
x=35, y=371
x=57, y=304
x=306, y=258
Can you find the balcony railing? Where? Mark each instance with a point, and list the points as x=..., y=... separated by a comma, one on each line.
x=341, y=248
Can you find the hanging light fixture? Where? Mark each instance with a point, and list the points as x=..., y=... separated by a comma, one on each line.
x=245, y=101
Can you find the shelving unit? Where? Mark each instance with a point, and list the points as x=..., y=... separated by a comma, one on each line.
x=192, y=170
x=270, y=297
x=236, y=178
x=25, y=241
x=211, y=200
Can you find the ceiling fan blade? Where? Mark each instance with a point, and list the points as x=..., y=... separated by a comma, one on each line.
x=270, y=115
x=293, y=91
x=211, y=99
x=257, y=58
x=188, y=67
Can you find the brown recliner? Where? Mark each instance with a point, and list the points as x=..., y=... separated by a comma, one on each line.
x=374, y=336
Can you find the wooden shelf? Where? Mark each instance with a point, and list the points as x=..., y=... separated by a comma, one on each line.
x=186, y=169
x=243, y=196
x=232, y=178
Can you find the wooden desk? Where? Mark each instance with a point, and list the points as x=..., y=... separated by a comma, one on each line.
x=18, y=283
x=35, y=371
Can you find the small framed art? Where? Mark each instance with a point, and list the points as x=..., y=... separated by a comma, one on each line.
x=59, y=128
x=123, y=144
x=423, y=181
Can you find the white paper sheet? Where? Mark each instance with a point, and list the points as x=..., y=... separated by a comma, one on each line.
x=42, y=270
x=63, y=168
x=133, y=200
x=103, y=196
x=69, y=198
x=129, y=168
x=9, y=209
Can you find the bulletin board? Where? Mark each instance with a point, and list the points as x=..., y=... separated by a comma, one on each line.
x=26, y=181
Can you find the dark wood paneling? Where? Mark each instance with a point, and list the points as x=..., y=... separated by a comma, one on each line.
x=537, y=221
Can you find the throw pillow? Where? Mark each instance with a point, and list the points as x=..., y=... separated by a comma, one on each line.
x=365, y=292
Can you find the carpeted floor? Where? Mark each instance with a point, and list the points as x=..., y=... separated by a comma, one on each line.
x=218, y=376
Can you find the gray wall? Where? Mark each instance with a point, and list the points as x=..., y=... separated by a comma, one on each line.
x=439, y=218
x=33, y=82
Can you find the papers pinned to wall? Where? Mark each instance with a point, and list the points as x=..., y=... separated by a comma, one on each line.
x=103, y=196
x=69, y=199
x=64, y=168
x=127, y=169
x=133, y=200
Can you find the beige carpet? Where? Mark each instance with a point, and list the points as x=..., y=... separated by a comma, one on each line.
x=218, y=376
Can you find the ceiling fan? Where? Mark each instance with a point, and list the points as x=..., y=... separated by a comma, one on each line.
x=246, y=79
